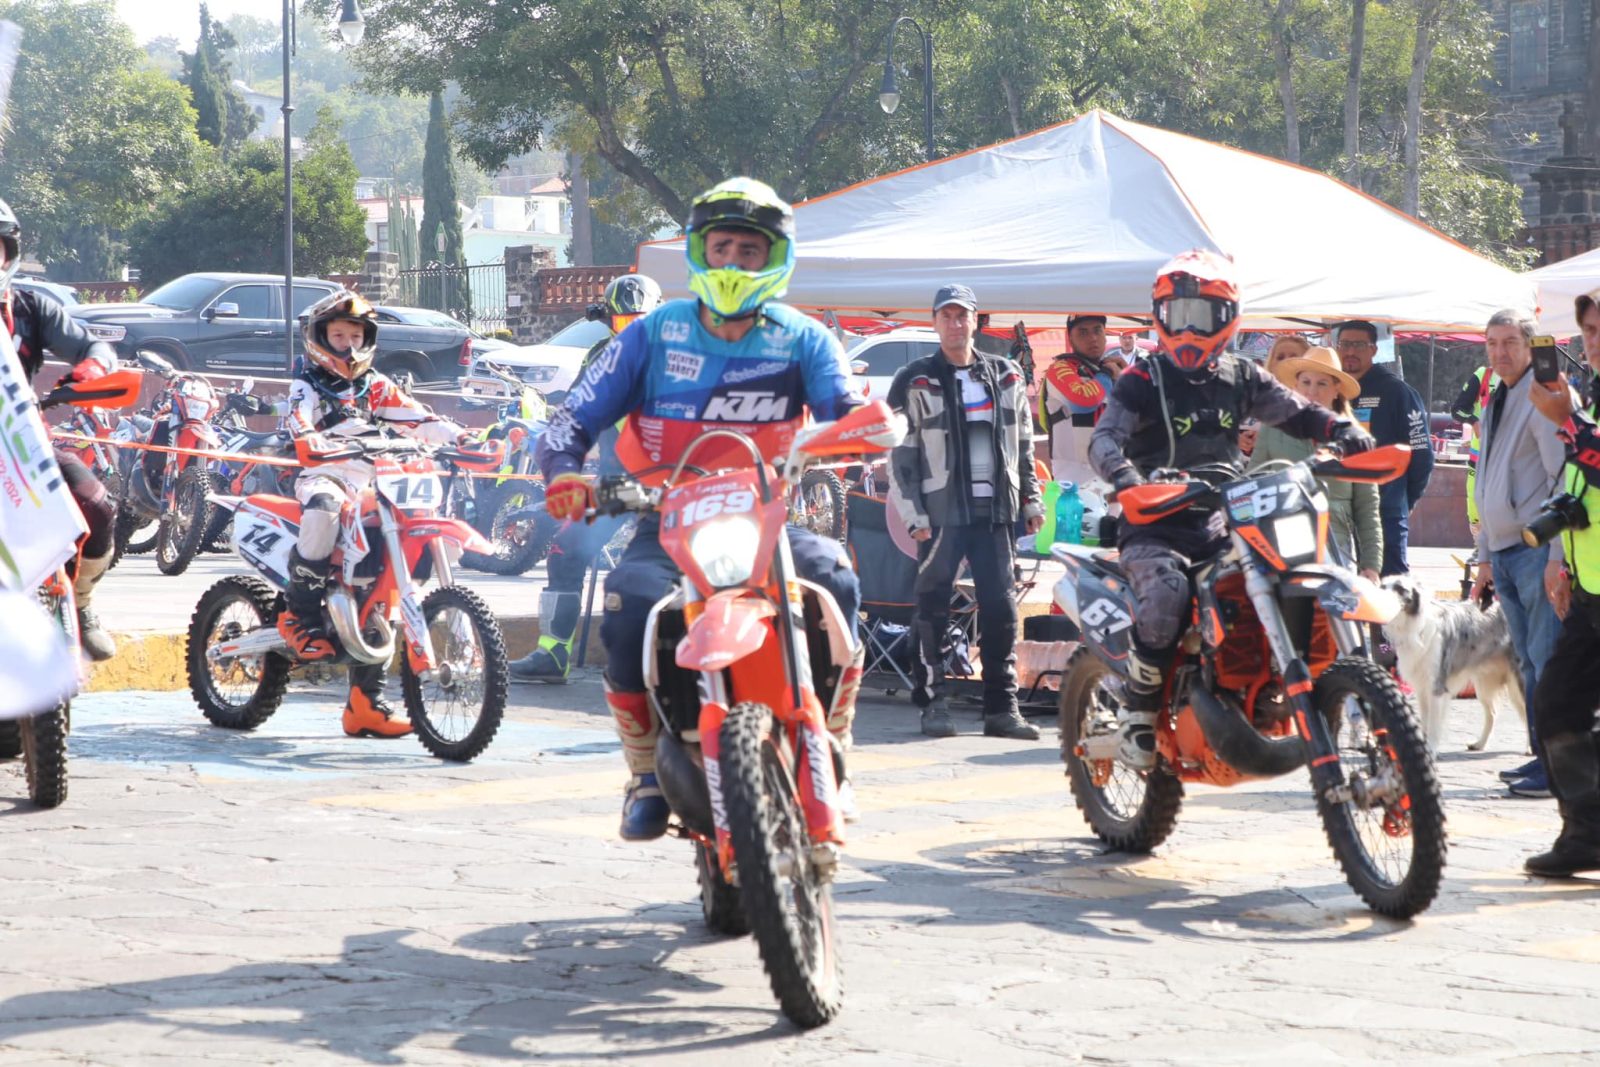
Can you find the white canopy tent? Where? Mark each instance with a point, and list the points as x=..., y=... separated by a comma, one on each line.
x=1559, y=284
x=1079, y=217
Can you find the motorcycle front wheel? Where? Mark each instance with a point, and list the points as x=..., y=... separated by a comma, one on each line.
x=519, y=545
x=456, y=711
x=44, y=755
x=1131, y=811
x=184, y=530
x=789, y=908
x=1387, y=832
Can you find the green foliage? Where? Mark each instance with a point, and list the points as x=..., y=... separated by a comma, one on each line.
x=233, y=220
x=222, y=117
x=440, y=236
x=95, y=135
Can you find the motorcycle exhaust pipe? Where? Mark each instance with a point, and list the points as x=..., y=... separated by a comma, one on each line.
x=347, y=625
x=1240, y=745
x=682, y=778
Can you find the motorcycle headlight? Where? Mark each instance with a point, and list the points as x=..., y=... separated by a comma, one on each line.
x=1296, y=536
x=725, y=549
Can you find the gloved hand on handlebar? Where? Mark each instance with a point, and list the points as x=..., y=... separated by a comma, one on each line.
x=568, y=496
x=96, y=364
x=1126, y=478
x=1349, y=438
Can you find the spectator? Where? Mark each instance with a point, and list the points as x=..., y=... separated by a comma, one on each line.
x=964, y=475
x=1126, y=352
x=1468, y=410
x=1355, y=528
x=1285, y=347
x=1072, y=396
x=1519, y=467
x=1393, y=413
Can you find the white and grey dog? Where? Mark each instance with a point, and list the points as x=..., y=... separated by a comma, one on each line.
x=1444, y=645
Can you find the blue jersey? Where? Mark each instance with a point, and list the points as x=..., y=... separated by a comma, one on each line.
x=670, y=379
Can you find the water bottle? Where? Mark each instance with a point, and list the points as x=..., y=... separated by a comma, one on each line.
x=1069, y=514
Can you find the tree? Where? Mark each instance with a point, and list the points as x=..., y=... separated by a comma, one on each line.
x=1352, y=92
x=234, y=219
x=223, y=119
x=1279, y=12
x=441, y=218
x=95, y=135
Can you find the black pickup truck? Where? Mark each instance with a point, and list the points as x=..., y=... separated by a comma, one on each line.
x=234, y=323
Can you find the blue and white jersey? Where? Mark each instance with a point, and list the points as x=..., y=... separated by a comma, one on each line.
x=671, y=380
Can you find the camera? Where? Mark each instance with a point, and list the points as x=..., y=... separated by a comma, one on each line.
x=1561, y=512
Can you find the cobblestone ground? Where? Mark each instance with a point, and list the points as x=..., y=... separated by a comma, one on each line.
x=290, y=896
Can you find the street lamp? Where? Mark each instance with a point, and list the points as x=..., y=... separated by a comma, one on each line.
x=889, y=92
x=351, y=28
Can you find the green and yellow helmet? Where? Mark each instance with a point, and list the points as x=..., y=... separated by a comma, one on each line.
x=744, y=204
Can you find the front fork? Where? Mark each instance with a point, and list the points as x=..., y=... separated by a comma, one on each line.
x=419, y=646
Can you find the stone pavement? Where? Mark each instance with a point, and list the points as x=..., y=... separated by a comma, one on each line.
x=293, y=897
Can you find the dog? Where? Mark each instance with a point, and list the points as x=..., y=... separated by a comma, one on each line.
x=1442, y=646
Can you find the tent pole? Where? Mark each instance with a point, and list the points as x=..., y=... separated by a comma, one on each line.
x=1431, y=339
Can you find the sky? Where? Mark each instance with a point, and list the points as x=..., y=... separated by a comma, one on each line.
x=181, y=18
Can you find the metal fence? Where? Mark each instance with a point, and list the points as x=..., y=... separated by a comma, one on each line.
x=475, y=294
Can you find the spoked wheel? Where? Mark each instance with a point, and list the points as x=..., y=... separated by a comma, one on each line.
x=44, y=755
x=183, y=531
x=518, y=545
x=239, y=694
x=1388, y=830
x=719, y=901
x=1131, y=811
x=789, y=907
x=458, y=708
x=134, y=534
x=818, y=506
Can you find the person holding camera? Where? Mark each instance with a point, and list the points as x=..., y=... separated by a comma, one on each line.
x=1567, y=698
x=1519, y=461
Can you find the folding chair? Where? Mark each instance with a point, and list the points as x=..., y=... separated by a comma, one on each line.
x=887, y=576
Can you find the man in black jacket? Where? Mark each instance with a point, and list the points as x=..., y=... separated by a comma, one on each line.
x=1394, y=414
x=38, y=325
x=964, y=474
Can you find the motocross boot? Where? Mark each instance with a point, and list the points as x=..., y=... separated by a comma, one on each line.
x=97, y=644
x=1573, y=764
x=300, y=624
x=366, y=713
x=841, y=728
x=1136, y=718
x=558, y=622
x=644, y=809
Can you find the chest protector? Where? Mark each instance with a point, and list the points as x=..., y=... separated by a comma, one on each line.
x=1186, y=423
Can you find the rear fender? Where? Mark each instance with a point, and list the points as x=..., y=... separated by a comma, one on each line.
x=1342, y=593
x=730, y=627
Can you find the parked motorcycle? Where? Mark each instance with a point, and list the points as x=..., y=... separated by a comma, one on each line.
x=168, y=488
x=97, y=435
x=453, y=670
x=1270, y=675
x=744, y=659
x=242, y=477
x=509, y=512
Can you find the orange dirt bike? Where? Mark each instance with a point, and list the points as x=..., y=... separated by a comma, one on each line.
x=741, y=660
x=1271, y=675
x=41, y=740
x=453, y=667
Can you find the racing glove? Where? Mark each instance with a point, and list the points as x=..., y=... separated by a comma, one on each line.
x=1126, y=478
x=568, y=497
x=97, y=364
x=1349, y=438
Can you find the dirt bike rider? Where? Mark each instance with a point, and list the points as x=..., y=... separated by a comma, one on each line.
x=1178, y=410
x=337, y=391
x=730, y=357
x=38, y=324
x=575, y=546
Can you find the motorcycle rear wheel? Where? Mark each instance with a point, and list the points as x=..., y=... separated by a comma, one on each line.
x=1392, y=850
x=44, y=755
x=460, y=711
x=789, y=909
x=517, y=547
x=243, y=694
x=183, y=532
x=1130, y=811
x=133, y=535
x=818, y=506
x=719, y=901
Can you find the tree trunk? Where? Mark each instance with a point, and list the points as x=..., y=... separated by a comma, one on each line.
x=1014, y=108
x=1421, y=54
x=582, y=217
x=1282, y=59
x=1352, y=92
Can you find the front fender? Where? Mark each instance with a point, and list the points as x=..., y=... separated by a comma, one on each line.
x=731, y=627
x=453, y=530
x=1343, y=593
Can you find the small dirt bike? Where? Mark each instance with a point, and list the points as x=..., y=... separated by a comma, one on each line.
x=1270, y=675
x=453, y=667
x=166, y=487
x=741, y=660
x=509, y=512
x=41, y=740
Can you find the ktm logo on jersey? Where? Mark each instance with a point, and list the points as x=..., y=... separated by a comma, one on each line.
x=747, y=407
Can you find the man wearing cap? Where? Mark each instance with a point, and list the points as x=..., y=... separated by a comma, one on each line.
x=965, y=474
x=1072, y=396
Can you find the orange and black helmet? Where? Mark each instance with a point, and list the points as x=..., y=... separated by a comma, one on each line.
x=351, y=363
x=1196, y=308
